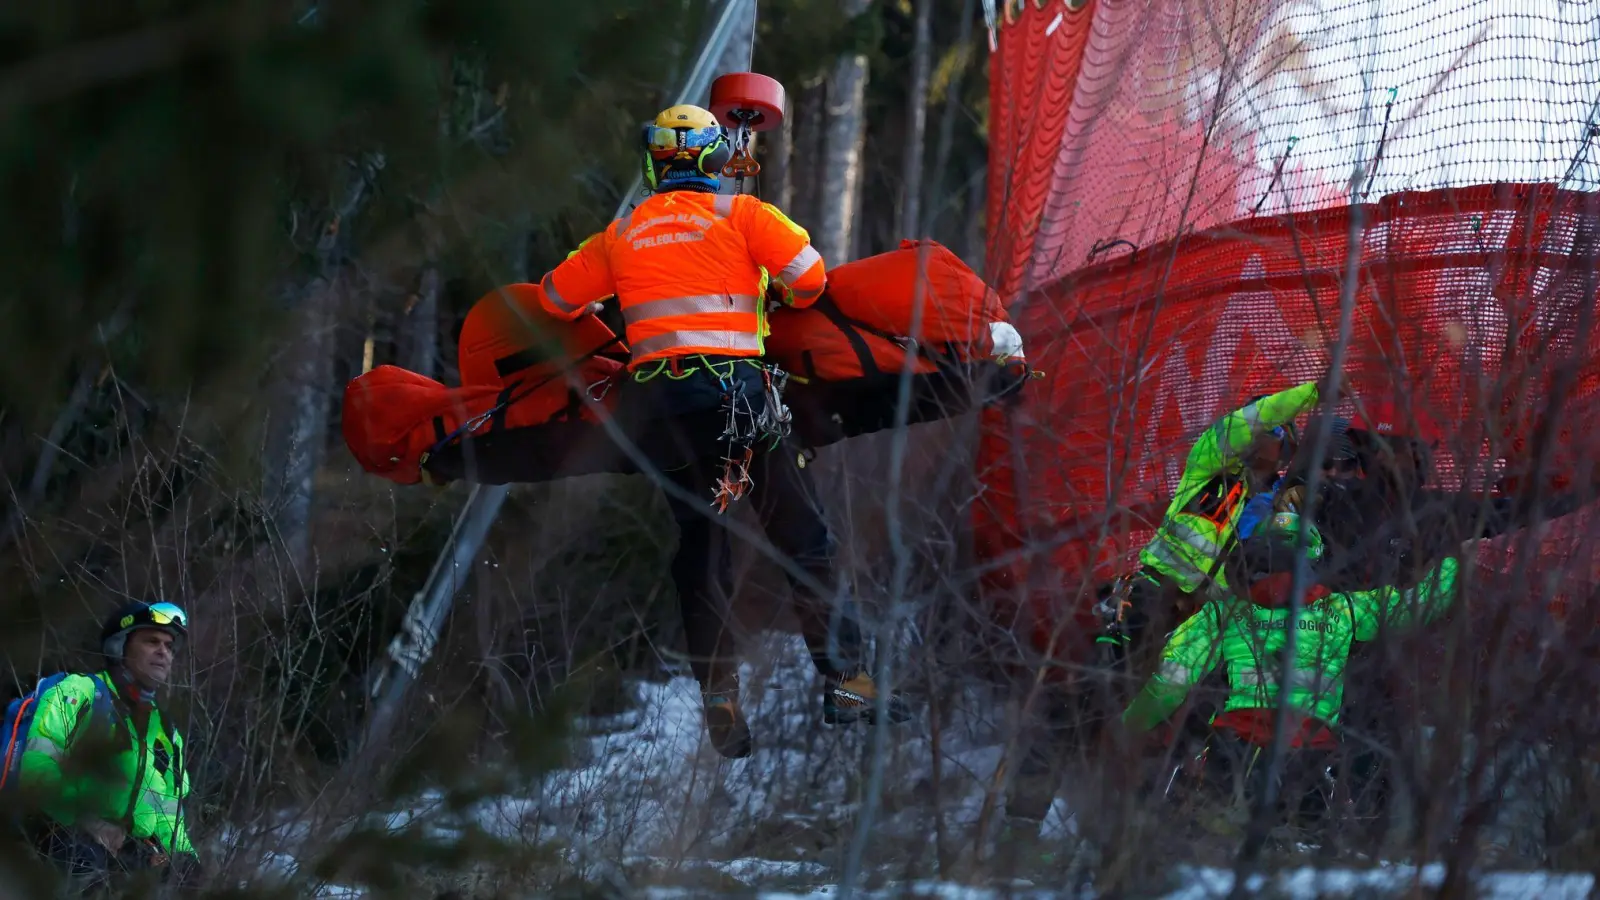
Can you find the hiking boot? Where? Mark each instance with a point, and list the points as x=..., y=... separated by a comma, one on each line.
x=846, y=700
x=730, y=734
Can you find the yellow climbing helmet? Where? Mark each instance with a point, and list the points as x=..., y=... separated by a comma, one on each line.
x=685, y=146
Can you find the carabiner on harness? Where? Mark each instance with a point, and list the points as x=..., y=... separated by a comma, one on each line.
x=746, y=427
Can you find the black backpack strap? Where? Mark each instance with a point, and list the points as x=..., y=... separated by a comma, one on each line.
x=526, y=358
x=827, y=307
x=573, y=411
x=502, y=403
x=945, y=360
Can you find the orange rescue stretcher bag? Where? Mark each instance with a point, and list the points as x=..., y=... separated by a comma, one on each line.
x=520, y=410
x=517, y=415
x=918, y=307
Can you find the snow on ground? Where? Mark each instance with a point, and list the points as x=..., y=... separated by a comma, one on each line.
x=647, y=793
x=1311, y=884
x=1207, y=883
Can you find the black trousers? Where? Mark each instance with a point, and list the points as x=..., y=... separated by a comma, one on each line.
x=677, y=423
x=92, y=870
x=791, y=512
x=85, y=863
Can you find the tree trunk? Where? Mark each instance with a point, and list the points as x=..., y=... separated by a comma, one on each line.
x=947, y=119
x=843, y=142
x=860, y=242
x=805, y=169
x=975, y=252
x=910, y=222
x=307, y=380
x=418, y=334
x=297, y=436
x=419, y=324
x=776, y=170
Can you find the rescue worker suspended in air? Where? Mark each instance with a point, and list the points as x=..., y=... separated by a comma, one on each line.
x=691, y=269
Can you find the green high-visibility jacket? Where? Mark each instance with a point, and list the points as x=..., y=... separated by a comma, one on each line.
x=143, y=791
x=1204, y=513
x=1249, y=639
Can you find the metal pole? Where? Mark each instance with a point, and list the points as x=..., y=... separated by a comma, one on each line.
x=412, y=647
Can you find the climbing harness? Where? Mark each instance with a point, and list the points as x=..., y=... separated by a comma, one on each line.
x=746, y=425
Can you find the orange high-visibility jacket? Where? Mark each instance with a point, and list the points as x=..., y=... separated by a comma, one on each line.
x=690, y=271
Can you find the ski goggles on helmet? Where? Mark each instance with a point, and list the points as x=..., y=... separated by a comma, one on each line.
x=168, y=614
x=665, y=143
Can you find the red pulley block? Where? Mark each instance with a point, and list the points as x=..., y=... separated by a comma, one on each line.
x=760, y=101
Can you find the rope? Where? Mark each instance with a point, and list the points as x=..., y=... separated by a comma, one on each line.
x=755, y=18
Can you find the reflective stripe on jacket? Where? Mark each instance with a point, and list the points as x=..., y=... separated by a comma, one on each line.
x=146, y=785
x=690, y=271
x=1188, y=543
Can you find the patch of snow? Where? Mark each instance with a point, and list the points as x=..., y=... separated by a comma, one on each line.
x=1207, y=883
x=646, y=789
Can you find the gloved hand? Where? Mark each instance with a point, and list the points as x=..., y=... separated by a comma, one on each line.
x=778, y=295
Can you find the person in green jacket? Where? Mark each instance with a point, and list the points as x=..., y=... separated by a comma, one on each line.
x=1246, y=632
x=1237, y=457
x=111, y=786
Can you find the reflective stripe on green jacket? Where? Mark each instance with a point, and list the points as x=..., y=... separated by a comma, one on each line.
x=1186, y=546
x=142, y=791
x=1249, y=640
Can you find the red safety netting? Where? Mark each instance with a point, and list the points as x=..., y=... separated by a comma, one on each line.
x=1471, y=301
x=1139, y=119
x=1116, y=125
